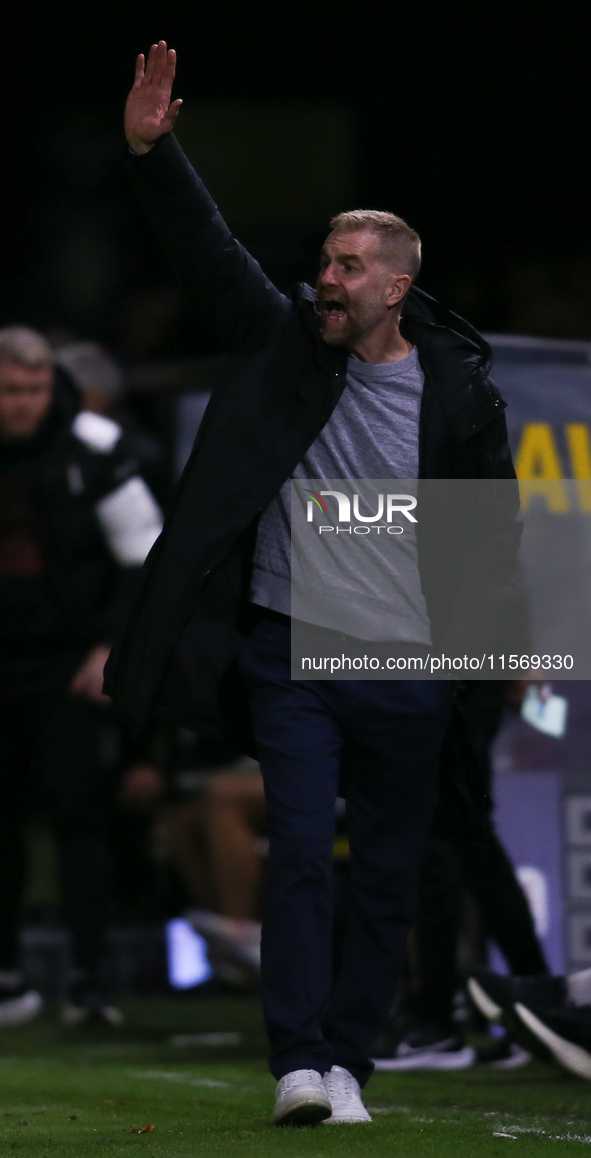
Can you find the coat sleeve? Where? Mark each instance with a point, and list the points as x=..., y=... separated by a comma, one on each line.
x=213, y=269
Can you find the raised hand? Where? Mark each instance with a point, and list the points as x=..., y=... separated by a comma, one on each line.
x=149, y=112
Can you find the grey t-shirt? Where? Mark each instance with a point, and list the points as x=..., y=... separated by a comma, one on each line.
x=373, y=433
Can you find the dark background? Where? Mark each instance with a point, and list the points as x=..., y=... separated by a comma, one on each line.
x=468, y=122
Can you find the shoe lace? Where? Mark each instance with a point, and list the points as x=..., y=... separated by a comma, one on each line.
x=295, y=1077
x=340, y=1081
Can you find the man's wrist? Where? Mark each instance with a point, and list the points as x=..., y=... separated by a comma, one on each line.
x=139, y=148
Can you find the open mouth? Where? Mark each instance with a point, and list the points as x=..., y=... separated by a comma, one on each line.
x=335, y=311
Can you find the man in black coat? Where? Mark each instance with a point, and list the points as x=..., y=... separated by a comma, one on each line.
x=366, y=377
x=76, y=522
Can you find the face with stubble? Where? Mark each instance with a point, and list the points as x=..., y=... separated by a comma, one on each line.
x=355, y=291
x=25, y=399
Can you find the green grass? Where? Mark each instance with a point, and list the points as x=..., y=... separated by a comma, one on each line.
x=77, y=1093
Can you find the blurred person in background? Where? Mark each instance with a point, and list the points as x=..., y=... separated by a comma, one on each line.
x=209, y=804
x=423, y=1033
x=101, y=381
x=97, y=375
x=215, y=841
x=551, y=1015
x=76, y=522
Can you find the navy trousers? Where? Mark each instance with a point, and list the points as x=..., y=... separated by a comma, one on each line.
x=378, y=744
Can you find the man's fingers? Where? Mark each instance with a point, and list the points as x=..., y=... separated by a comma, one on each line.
x=170, y=68
x=151, y=63
x=159, y=62
x=139, y=70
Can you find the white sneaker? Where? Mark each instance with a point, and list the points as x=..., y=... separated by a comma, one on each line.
x=241, y=938
x=301, y=1099
x=345, y=1098
x=20, y=1008
x=72, y=1014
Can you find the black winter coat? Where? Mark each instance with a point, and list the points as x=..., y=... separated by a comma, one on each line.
x=283, y=384
x=97, y=516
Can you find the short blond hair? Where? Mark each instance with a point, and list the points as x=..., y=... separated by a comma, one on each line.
x=20, y=344
x=400, y=245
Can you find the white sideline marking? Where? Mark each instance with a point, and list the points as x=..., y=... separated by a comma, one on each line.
x=389, y=1109
x=183, y=1079
x=186, y=1040
x=507, y=1132
x=502, y=1132
x=555, y=1137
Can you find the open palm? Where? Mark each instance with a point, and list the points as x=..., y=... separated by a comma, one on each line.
x=149, y=112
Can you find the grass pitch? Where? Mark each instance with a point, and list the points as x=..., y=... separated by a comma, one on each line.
x=78, y=1093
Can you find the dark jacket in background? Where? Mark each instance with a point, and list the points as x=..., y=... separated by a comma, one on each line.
x=278, y=394
x=93, y=518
